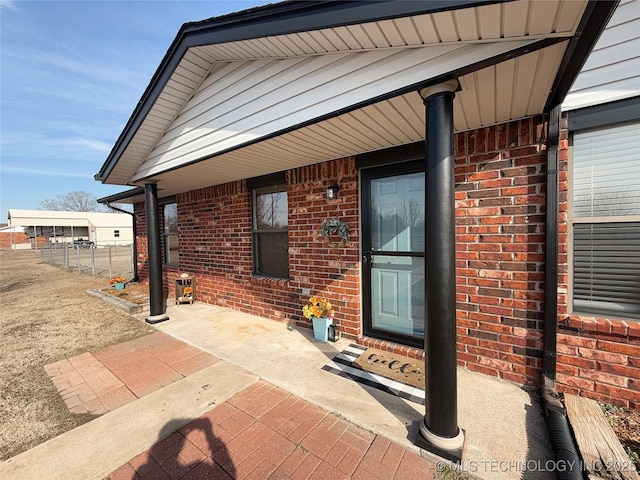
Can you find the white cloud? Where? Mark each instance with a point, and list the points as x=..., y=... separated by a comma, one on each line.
x=8, y=4
x=33, y=172
x=52, y=145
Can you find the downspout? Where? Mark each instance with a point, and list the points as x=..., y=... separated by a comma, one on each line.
x=560, y=433
x=135, y=243
x=551, y=251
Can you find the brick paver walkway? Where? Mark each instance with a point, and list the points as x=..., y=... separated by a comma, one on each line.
x=263, y=433
x=101, y=381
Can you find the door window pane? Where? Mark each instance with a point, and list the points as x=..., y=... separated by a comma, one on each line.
x=397, y=213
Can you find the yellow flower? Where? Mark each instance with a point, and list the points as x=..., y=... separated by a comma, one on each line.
x=317, y=307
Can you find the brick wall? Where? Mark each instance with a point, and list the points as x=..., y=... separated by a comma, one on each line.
x=215, y=246
x=598, y=357
x=500, y=215
x=500, y=205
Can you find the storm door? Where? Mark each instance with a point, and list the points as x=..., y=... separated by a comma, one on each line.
x=393, y=212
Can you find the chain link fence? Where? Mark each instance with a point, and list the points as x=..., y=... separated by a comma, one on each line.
x=106, y=261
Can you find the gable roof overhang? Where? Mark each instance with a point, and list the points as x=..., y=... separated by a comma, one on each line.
x=297, y=83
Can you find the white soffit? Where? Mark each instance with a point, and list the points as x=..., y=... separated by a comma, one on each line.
x=225, y=95
x=244, y=102
x=392, y=122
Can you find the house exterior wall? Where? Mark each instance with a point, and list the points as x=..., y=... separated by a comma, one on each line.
x=500, y=204
x=500, y=194
x=597, y=357
x=611, y=72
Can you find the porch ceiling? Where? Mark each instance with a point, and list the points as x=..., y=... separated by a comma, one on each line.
x=251, y=106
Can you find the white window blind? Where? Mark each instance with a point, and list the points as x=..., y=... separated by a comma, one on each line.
x=606, y=172
x=606, y=222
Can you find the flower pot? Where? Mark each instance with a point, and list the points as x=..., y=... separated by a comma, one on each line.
x=119, y=286
x=321, y=328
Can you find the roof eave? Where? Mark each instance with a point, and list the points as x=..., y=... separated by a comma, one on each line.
x=120, y=196
x=274, y=19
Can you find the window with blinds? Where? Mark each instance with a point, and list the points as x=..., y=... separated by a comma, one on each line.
x=606, y=221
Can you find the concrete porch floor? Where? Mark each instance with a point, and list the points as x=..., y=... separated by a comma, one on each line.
x=503, y=423
x=506, y=437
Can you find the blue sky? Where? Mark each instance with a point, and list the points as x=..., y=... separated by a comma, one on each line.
x=71, y=75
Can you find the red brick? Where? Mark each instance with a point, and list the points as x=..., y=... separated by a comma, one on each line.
x=634, y=329
x=125, y=472
x=622, y=348
x=603, y=356
x=324, y=436
x=601, y=377
x=576, y=361
x=615, y=392
x=576, y=340
x=576, y=382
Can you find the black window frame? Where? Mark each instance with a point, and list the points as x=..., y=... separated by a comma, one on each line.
x=261, y=186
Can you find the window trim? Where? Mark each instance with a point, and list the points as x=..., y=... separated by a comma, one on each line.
x=255, y=191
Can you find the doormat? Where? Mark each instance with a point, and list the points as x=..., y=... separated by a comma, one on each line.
x=344, y=365
x=396, y=367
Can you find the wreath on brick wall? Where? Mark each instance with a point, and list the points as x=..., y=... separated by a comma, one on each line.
x=334, y=228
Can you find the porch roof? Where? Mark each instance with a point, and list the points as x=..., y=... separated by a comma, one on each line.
x=297, y=83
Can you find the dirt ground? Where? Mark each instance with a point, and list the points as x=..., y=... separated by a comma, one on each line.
x=626, y=424
x=47, y=316
x=133, y=292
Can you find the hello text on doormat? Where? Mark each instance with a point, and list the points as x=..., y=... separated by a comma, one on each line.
x=396, y=367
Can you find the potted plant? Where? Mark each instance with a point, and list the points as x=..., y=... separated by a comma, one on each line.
x=320, y=312
x=118, y=282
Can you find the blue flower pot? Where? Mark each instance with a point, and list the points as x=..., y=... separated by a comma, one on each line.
x=119, y=286
x=321, y=328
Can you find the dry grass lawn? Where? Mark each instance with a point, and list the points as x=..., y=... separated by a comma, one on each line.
x=46, y=316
